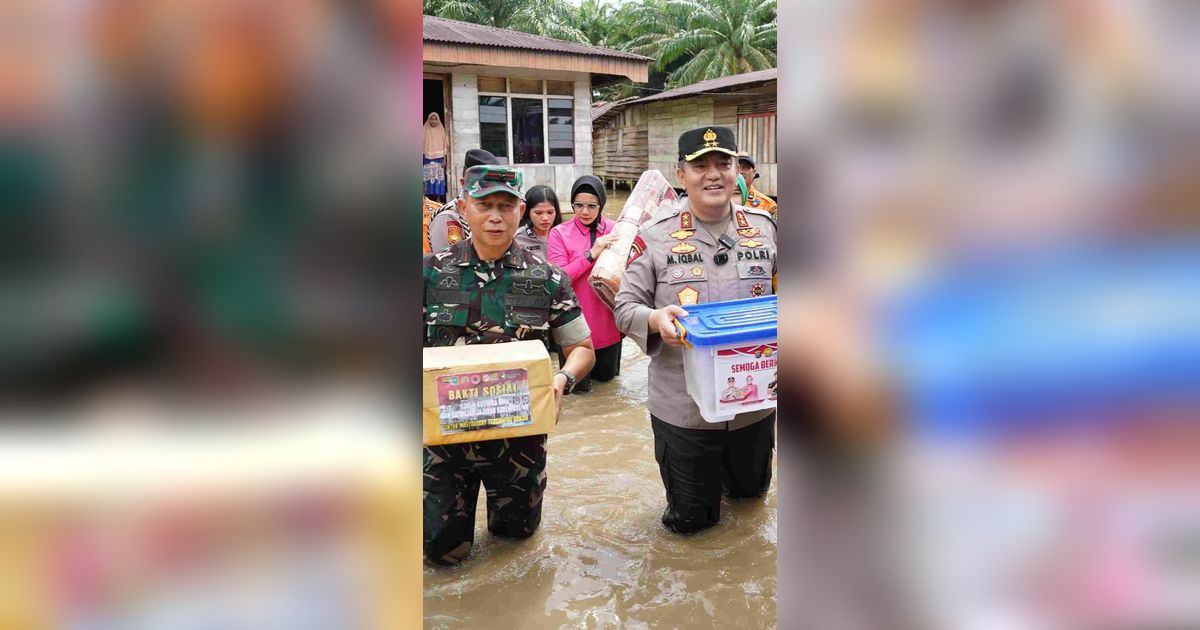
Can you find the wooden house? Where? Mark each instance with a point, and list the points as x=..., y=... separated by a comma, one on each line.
x=636, y=134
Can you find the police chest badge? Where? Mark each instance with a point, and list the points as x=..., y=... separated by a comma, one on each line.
x=751, y=243
x=680, y=235
x=683, y=248
x=677, y=273
x=757, y=290
x=453, y=232
x=748, y=232
x=688, y=296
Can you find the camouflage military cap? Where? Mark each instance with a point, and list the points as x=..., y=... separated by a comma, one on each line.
x=484, y=180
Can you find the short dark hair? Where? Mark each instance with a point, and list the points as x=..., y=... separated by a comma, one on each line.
x=537, y=195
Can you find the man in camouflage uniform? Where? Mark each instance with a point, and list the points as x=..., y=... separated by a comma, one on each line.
x=487, y=289
x=707, y=249
x=447, y=226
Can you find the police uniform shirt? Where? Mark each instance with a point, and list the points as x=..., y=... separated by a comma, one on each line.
x=519, y=296
x=447, y=227
x=677, y=264
x=529, y=239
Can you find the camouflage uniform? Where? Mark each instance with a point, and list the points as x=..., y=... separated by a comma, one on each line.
x=519, y=296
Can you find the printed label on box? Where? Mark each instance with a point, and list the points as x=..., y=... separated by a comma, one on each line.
x=497, y=399
x=745, y=377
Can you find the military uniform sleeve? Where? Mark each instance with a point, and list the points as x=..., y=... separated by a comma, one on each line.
x=634, y=302
x=567, y=323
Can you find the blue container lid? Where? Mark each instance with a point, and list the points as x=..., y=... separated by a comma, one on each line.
x=735, y=321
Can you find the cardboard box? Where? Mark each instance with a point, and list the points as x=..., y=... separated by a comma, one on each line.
x=487, y=392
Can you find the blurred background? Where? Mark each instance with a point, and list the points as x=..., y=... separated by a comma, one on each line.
x=992, y=309
x=201, y=222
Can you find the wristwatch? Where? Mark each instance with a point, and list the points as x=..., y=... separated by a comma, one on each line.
x=570, y=381
x=588, y=256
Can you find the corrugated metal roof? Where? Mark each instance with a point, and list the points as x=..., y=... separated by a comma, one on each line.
x=715, y=85
x=438, y=29
x=602, y=108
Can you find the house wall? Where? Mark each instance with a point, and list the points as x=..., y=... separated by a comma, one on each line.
x=464, y=125
x=621, y=145
x=668, y=119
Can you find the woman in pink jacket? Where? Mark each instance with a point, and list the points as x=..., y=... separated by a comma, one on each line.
x=574, y=247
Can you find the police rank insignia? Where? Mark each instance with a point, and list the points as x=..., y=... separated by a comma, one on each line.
x=685, y=221
x=453, y=232
x=680, y=235
x=757, y=290
x=742, y=222
x=683, y=248
x=688, y=295
x=710, y=138
x=749, y=232
x=751, y=243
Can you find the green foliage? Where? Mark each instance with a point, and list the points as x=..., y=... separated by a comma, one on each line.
x=690, y=40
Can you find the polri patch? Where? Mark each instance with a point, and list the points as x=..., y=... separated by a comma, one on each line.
x=758, y=290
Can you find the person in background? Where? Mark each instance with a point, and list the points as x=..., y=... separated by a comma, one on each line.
x=755, y=199
x=448, y=226
x=541, y=215
x=574, y=246
x=433, y=155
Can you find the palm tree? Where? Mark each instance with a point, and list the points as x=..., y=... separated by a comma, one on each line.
x=696, y=41
x=551, y=18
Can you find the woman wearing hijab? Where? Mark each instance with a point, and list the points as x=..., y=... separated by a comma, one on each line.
x=574, y=247
x=433, y=158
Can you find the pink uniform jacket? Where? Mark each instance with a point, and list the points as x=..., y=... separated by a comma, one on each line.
x=566, y=247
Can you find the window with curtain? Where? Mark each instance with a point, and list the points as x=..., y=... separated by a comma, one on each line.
x=521, y=128
x=493, y=126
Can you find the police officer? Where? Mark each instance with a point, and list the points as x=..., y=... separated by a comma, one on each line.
x=707, y=249
x=754, y=198
x=487, y=289
x=447, y=226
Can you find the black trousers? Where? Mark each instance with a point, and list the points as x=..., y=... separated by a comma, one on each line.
x=698, y=465
x=608, y=366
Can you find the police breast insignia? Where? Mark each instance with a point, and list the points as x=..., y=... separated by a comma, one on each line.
x=757, y=290
x=749, y=232
x=751, y=243
x=683, y=248
x=453, y=232
x=688, y=296
x=697, y=271
x=677, y=273
x=680, y=235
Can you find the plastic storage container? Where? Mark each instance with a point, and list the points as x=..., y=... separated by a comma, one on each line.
x=730, y=356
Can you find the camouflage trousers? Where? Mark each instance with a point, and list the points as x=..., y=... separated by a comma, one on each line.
x=513, y=473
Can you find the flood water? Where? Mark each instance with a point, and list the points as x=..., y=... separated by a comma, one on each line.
x=602, y=558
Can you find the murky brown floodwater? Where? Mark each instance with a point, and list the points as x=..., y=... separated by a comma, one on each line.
x=602, y=558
